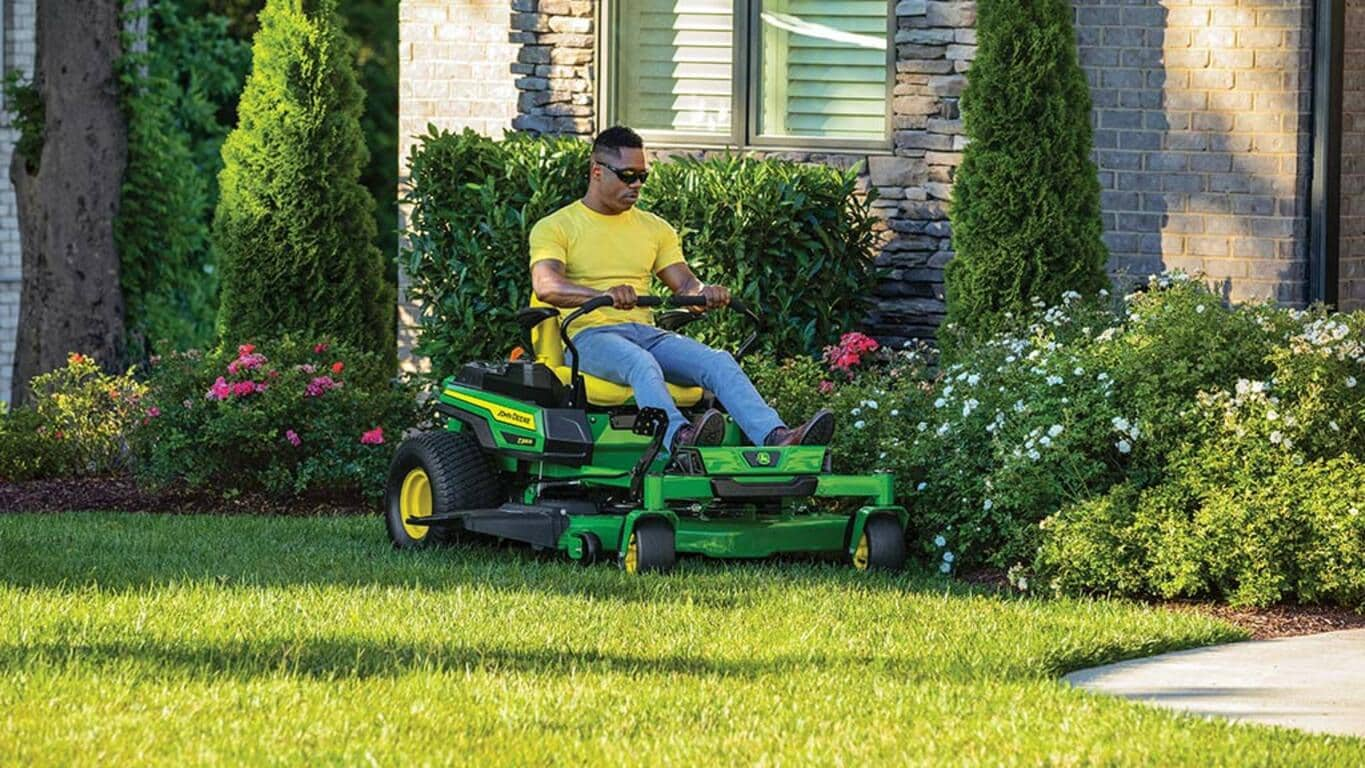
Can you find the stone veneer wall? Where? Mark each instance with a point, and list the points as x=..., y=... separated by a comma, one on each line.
x=18, y=36
x=1203, y=132
x=1351, y=293
x=452, y=73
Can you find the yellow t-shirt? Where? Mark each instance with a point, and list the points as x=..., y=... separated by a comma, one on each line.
x=602, y=251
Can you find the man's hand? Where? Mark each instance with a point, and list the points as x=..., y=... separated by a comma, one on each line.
x=716, y=295
x=622, y=296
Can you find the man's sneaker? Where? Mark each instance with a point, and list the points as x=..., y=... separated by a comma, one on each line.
x=819, y=430
x=706, y=429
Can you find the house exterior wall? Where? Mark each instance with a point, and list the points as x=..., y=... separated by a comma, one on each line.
x=1202, y=138
x=453, y=73
x=18, y=52
x=1202, y=125
x=1352, y=230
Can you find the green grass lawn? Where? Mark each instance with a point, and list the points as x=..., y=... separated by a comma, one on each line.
x=131, y=639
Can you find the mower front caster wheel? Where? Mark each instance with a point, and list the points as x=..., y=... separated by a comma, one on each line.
x=650, y=548
x=882, y=545
x=592, y=549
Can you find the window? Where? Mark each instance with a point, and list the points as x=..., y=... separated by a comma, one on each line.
x=778, y=73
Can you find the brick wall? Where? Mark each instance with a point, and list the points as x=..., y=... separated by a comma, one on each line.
x=1202, y=137
x=18, y=53
x=454, y=72
x=1351, y=293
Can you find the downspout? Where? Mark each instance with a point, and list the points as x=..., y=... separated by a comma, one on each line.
x=1324, y=204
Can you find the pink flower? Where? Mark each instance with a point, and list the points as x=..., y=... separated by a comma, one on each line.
x=847, y=360
x=292, y=437
x=826, y=387
x=246, y=349
x=220, y=390
x=319, y=348
x=373, y=437
x=245, y=363
x=244, y=388
x=153, y=412
x=319, y=385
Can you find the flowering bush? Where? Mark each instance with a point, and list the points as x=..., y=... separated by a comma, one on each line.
x=1261, y=503
x=283, y=418
x=1096, y=447
x=77, y=425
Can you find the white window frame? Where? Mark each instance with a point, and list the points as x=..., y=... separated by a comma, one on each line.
x=746, y=68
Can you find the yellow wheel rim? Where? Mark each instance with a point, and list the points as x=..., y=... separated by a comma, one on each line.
x=632, y=562
x=415, y=501
x=860, y=554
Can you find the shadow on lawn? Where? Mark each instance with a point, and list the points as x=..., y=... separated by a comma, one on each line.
x=134, y=551
x=330, y=659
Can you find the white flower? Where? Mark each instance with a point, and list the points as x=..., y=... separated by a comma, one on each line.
x=1272, y=415
x=944, y=567
x=944, y=429
x=948, y=390
x=1054, y=430
x=1045, y=441
x=859, y=424
x=987, y=504
x=1350, y=382
x=1120, y=423
x=1053, y=381
x=895, y=412
x=973, y=379
x=1033, y=454
x=1023, y=584
x=939, y=541
x=871, y=404
x=948, y=557
x=1079, y=371
x=1199, y=310
x=922, y=426
x=939, y=403
x=921, y=486
x=855, y=411
x=1124, y=446
x=1334, y=426
x=1276, y=437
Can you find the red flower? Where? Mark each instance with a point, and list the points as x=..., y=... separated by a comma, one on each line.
x=826, y=387
x=75, y=358
x=319, y=348
x=337, y=367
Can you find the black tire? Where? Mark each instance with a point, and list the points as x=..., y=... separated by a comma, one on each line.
x=882, y=546
x=650, y=547
x=592, y=549
x=458, y=475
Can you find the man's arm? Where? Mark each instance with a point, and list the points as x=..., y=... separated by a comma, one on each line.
x=552, y=287
x=680, y=280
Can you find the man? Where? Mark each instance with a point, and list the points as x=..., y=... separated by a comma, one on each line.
x=603, y=245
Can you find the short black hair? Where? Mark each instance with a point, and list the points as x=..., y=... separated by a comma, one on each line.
x=616, y=138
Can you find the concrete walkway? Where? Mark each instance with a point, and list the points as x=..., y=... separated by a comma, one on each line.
x=1315, y=682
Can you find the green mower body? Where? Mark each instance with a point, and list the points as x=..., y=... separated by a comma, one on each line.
x=524, y=457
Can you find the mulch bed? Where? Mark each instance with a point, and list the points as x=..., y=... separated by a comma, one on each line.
x=121, y=494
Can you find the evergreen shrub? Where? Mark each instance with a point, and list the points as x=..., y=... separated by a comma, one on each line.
x=1025, y=212
x=294, y=229
x=795, y=241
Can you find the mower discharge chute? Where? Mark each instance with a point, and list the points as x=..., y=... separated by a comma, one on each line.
x=538, y=452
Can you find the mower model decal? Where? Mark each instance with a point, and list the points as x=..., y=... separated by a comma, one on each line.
x=500, y=413
x=517, y=439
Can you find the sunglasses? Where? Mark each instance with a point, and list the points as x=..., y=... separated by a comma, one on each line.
x=627, y=175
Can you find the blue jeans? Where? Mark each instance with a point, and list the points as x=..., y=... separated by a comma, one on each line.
x=644, y=357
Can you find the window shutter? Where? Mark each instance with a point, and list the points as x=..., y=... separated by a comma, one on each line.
x=674, y=65
x=824, y=68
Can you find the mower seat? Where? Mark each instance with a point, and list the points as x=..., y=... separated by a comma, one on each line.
x=549, y=349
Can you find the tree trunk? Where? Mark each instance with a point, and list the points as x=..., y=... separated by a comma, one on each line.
x=70, y=299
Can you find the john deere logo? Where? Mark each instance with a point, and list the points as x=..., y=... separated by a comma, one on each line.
x=517, y=418
x=760, y=458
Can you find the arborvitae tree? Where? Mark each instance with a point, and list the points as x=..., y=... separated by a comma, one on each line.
x=1026, y=201
x=294, y=228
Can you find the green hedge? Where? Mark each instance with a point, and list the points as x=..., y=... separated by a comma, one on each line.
x=795, y=238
